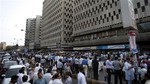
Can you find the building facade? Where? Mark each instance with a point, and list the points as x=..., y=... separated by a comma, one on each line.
x=2, y=46
x=57, y=23
x=33, y=30
x=99, y=23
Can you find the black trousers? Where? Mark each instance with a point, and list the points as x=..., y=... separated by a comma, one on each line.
x=95, y=71
x=76, y=68
x=109, y=71
x=118, y=75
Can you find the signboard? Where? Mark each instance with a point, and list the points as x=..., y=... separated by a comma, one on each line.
x=116, y=47
x=128, y=16
x=85, y=48
x=122, y=46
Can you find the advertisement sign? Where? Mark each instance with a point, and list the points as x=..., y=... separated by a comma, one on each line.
x=85, y=48
x=116, y=47
x=106, y=47
x=128, y=16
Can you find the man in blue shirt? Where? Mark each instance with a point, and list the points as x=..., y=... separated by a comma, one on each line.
x=40, y=79
x=85, y=65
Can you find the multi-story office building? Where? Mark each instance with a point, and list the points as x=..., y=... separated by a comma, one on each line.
x=2, y=46
x=57, y=23
x=98, y=24
x=32, y=37
x=28, y=22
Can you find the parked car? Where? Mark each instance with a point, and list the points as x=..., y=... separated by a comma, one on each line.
x=13, y=70
x=7, y=64
x=4, y=60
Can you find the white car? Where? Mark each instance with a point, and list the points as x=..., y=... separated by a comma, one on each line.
x=13, y=70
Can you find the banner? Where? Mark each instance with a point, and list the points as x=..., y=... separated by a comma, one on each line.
x=132, y=41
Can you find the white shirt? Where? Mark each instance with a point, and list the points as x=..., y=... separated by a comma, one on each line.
x=77, y=61
x=143, y=72
x=36, y=69
x=31, y=73
x=20, y=75
x=57, y=81
x=54, y=70
x=80, y=60
x=127, y=66
x=20, y=62
x=90, y=63
x=147, y=82
x=26, y=83
x=47, y=76
x=109, y=64
x=68, y=80
x=27, y=65
x=81, y=78
x=100, y=65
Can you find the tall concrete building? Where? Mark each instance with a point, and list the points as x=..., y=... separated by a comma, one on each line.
x=98, y=25
x=57, y=23
x=33, y=30
x=2, y=46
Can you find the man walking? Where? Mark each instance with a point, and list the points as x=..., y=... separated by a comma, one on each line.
x=95, y=65
x=40, y=79
x=117, y=71
x=109, y=69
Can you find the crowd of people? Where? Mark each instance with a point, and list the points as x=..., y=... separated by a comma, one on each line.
x=61, y=69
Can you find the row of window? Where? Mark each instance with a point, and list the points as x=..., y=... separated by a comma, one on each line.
x=52, y=9
x=51, y=4
x=89, y=13
x=96, y=21
x=98, y=6
x=52, y=25
x=100, y=35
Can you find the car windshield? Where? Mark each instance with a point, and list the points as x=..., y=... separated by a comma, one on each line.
x=7, y=57
x=5, y=60
x=8, y=64
x=12, y=72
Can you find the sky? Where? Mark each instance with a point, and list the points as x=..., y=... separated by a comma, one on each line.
x=13, y=15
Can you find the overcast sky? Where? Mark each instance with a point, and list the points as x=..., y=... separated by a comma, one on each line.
x=13, y=15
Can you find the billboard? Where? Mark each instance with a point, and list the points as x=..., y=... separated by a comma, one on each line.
x=128, y=16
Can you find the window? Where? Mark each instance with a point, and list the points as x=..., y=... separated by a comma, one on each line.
x=112, y=1
x=99, y=21
x=117, y=16
x=107, y=2
x=146, y=2
x=112, y=18
x=145, y=26
x=104, y=15
x=110, y=5
x=135, y=11
x=107, y=19
x=100, y=17
x=114, y=12
x=109, y=14
x=143, y=8
x=116, y=3
x=102, y=9
x=119, y=11
x=106, y=7
x=138, y=5
x=103, y=21
x=104, y=4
